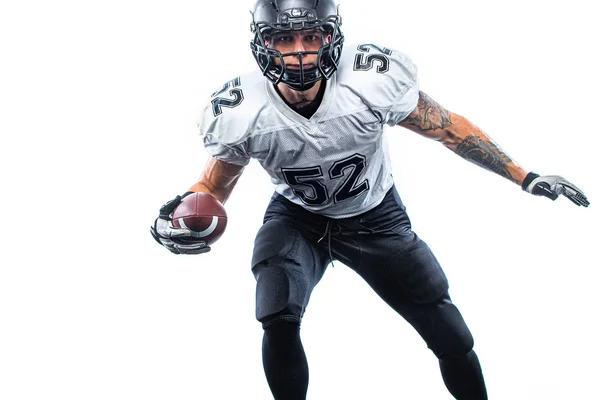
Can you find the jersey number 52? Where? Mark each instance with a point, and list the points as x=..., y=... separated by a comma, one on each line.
x=355, y=164
x=219, y=102
x=366, y=62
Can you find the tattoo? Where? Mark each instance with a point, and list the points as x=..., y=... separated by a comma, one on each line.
x=485, y=154
x=430, y=115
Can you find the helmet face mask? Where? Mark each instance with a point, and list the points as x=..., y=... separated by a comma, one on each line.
x=290, y=16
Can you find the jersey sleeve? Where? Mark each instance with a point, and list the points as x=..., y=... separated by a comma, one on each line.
x=386, y=80
x=232, y=154
x=404, y=83
x=218, y=141
x=224, y=130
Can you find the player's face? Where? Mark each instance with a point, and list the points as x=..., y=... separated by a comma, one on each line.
x=296, y=41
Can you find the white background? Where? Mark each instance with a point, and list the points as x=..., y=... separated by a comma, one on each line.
x=98, y=108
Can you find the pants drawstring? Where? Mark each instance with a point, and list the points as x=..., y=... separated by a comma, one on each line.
x=353, y=228
x=328, y=234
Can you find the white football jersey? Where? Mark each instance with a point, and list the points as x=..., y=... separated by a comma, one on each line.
x=335, y=163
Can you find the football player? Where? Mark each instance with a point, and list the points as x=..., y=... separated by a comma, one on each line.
x=313, y=116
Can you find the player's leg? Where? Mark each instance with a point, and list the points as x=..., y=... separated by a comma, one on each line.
x=287, y=268
x=414, y=285
x=403, y=271
x=444, y=330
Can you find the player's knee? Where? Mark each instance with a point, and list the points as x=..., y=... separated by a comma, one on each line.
x=452, y=338
x=281, y=327
x=281, y=291
x=456, y=345
x=281, y=338
x=279, y=294
x=283, y=283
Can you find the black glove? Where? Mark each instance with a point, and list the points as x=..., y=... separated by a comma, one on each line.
x=552, y=186
x=176, y=240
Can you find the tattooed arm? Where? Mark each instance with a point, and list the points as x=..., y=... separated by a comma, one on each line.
x=462, y=137
x=471, y=143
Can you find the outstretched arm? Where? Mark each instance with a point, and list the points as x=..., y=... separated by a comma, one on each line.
x=462, y=137
x=218, y=179
x=468, y=141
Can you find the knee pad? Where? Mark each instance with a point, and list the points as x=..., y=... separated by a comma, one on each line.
x=284, y=268
x=280, y=336
x=279, y=295
x=450, y=335
x=281, y=327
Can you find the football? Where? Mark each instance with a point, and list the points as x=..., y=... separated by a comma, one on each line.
x=204, y=215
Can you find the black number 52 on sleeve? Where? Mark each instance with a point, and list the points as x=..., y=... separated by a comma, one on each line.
x=236, y=92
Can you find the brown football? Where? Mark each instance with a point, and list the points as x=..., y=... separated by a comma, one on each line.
x=204, y=215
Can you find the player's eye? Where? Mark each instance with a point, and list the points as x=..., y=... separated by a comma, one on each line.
x=284, y=39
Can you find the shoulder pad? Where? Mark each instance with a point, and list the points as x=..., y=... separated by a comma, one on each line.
x=230, y=113
x=385, y=79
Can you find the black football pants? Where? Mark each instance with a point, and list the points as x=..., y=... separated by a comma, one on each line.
x=292, y=251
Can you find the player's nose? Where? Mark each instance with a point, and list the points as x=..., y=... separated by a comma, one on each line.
x=299, y=44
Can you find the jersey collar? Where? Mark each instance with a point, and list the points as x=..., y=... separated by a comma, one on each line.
x=288, y=112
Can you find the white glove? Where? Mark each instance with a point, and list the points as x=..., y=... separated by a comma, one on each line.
x=552, y=186
x=176, y=240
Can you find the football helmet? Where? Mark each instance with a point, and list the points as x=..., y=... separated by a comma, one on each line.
x=276, y=16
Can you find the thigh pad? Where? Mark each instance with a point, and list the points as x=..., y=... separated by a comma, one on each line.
x=419, y=274
x=286, y=267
